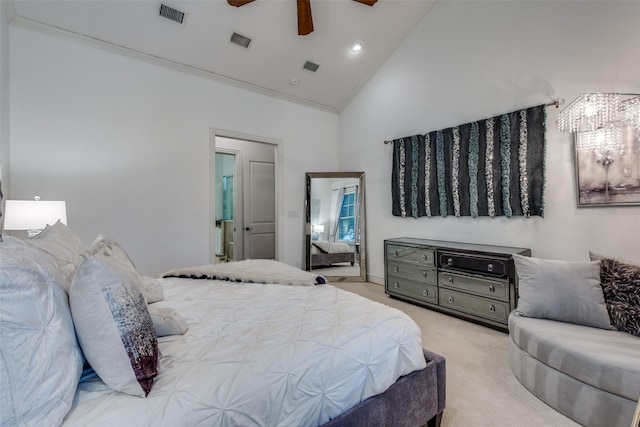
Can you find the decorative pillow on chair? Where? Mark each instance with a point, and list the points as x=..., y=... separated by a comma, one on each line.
x=114, y=327
x=111, y=250
x=566, y=291
x=40, y=360
x=621, y=287
x=64, y=245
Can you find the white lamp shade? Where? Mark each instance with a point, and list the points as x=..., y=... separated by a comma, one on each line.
x=318, y=228
x=33, y=214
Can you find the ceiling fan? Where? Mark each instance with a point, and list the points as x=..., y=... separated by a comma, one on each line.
x=305, y=22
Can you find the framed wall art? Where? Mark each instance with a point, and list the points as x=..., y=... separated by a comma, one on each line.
x=607, y=163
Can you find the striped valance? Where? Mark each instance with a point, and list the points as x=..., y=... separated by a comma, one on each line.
x=492, y=167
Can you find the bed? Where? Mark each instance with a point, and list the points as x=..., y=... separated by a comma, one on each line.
x=289, y=353
x=325, y=253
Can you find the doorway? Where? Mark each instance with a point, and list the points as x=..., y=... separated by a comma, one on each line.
x=244, y=199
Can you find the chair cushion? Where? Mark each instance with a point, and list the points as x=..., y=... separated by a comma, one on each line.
x=605, y=359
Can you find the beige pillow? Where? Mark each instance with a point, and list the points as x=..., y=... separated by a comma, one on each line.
x=114, y=326
x=167, y=321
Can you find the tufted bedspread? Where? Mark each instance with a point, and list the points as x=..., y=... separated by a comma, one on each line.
x=262, y=355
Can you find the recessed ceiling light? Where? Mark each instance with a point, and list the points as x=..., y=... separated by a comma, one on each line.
x=356, y=47
x=294, y=81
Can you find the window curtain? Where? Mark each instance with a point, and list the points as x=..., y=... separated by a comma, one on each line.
x=336, y=216
x=493, y=167
x=356, y=216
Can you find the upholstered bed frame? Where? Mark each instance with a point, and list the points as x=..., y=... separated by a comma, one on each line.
x=414, y=400
x=331, y=258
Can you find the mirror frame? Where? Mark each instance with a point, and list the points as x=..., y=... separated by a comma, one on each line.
x=361, y=219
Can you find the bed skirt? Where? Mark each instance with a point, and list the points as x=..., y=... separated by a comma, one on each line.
x=414, y=400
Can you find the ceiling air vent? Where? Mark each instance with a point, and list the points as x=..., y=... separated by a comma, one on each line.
x=171, y=13
x=310, y=66
x=240, y=40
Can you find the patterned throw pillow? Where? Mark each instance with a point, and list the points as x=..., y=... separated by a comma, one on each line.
x=621, y=286
x=114, y=326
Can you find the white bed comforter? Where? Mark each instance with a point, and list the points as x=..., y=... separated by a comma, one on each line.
x=262, y=355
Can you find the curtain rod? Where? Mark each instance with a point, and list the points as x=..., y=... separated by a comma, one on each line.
x=557, y=103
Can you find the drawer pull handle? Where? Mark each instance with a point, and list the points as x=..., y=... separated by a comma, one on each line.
x=490, y=267
x=450, y=279
x=492, y=308
x=450, y=300
x=425, y=257
x=396, y=253
x=425, y=273
x=395, y=285
x=396, y=269
x=492, y=288
x=425, y=293
x=450, y=261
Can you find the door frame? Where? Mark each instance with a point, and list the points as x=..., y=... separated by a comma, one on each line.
x=277, y=148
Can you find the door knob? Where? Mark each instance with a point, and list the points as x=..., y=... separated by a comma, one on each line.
x=248, y=228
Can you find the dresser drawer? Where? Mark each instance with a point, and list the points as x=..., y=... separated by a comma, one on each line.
x=410, y=254
x=412, y=272
x=411, y=289
x=473, y=263
x=486, y=287
x=477, y=306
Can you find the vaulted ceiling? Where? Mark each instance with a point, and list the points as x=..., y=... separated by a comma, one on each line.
x=273, y=62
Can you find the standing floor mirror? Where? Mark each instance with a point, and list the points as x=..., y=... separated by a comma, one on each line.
x=335, y=226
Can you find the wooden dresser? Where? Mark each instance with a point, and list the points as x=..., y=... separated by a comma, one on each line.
x=474, y=282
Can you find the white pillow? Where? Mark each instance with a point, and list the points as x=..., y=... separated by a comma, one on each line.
x=167, y=321
x=566, y=291
x=40, y=360
x=114, y=327
x=64, y=245
x=151, y=289
x=111, y=250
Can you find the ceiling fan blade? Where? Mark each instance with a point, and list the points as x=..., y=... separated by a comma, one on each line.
x=238, y=3
x=305, y=22
x=367, y=2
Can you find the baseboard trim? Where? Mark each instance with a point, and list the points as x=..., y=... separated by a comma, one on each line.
x=376, y=280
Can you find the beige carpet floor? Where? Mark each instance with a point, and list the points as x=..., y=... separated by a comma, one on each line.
x=481, y=389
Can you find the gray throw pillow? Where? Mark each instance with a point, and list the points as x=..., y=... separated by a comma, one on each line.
x=566, y=291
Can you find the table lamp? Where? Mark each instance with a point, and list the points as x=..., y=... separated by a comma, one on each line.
x=33, y=215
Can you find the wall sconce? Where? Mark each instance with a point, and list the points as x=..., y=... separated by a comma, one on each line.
x=33, y=215
x=599, y=121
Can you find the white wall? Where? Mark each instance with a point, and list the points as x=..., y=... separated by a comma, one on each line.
x=4, y=99
x=472, y=60
x=126, y=143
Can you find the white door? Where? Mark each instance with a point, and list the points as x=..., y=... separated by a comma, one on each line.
x=260, y=211
x=255, y=218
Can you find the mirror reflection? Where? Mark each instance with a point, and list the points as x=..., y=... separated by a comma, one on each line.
x=335, y=225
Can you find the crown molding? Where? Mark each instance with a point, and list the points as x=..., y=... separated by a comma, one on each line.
x=156, y=60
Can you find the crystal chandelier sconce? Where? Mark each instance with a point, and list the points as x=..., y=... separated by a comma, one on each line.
x=600, y=122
